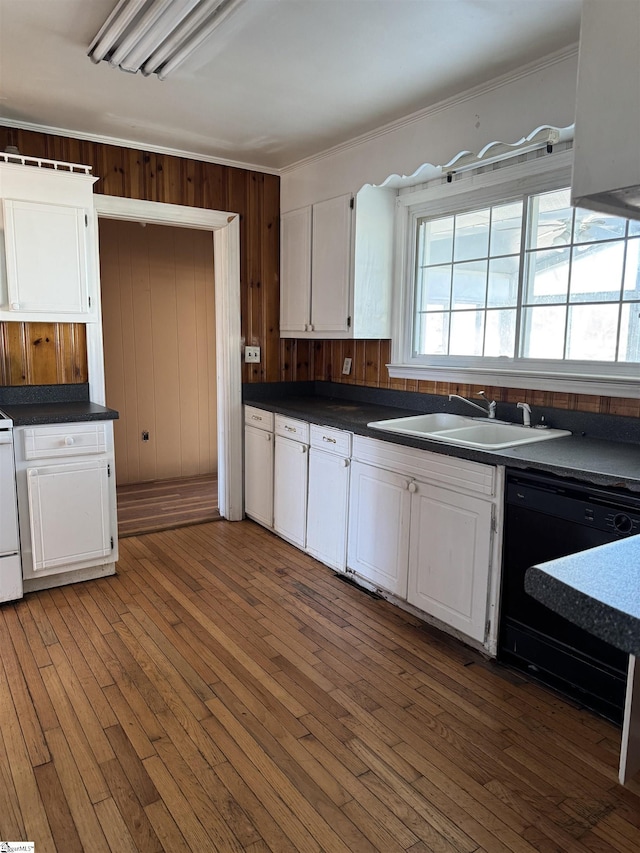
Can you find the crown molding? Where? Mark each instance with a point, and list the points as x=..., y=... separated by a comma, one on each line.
x=461, y=98
x=136, y=144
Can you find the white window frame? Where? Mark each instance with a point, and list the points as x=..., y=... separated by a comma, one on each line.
x=544, y=173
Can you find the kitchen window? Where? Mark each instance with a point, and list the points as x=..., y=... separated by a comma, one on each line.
x=508, y=284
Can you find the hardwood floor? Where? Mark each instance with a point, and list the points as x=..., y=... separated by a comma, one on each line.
x=225, y=692
x=165, y=504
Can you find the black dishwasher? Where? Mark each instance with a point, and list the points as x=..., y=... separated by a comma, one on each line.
x=548, y=517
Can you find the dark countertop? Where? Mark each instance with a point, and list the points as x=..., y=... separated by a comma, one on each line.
x=34, y=414
x=598, y=590
x=34, y=405
x=593, y=460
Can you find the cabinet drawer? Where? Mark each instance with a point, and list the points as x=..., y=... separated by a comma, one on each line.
x=60, y=440
x=471, y=477
x=258, y=418
x=331, y=440
x=291, y=428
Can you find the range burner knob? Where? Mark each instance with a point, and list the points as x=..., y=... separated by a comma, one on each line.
x=622, y=523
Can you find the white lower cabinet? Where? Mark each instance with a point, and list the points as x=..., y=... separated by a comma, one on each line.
x=419, y=525
x=291, y=477
x=422, y=528
x=328, y=504
x=379, y=514
x=450, y=556
x=258, y=465
x=69, y=514
x=66, y=502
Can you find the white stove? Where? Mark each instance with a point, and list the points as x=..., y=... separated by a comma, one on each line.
x=10, y=563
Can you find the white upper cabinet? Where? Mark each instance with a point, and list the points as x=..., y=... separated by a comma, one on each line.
x=48, y=264
x=295, y=259
x=336, y=259
x=606, y=165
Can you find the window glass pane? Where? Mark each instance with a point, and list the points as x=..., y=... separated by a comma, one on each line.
x=550, y=219
x=469, y=284
x=506, y=229
x=634, y=228
x=543, y=331
x=436, y=241
x=596, y=272
x=629, y=348
x=432, y=334
x=591, y=226
x=547, y=277
x=592, y=331
x=467, y=333
x=502, y=288
x=472, y=235
x=632, y=271
x=500, y=333
x=434, y=289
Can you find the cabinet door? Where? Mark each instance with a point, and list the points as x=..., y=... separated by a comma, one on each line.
x=258, y=475
x=69, y=514
x=46, y=258
x=331, y=265
x=379, y=514
x=449, y=557
x=327, y=512
x=295, y=264
x=291, y=475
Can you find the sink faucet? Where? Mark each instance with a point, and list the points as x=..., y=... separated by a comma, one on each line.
x=526, y=413
x=490, y=411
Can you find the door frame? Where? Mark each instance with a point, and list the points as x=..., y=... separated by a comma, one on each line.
x=226, y=260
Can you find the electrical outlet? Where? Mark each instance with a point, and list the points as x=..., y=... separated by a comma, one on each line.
x=346, y=366
x=252, y=355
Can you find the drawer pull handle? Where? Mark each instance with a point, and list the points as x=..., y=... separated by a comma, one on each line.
x=290, y=428
x=256, y=417
x=330, y=440
x=69, y=440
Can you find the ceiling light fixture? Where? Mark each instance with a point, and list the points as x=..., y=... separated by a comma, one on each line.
x=156, y=36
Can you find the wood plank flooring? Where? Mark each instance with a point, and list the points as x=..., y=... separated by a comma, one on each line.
x=165, y=504
x=225, y=692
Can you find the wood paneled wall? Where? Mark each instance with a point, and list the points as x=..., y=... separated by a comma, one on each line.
x=42, y=353
x=303, y=360
x=135, y=173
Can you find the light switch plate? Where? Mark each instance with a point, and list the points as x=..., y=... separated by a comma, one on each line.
x=346, y=366
x=252, y=355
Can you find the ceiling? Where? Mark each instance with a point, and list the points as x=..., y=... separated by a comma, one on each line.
x=280, y=81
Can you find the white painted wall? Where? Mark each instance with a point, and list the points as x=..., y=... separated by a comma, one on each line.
x=506, y=110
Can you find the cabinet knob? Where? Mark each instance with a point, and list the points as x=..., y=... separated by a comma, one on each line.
x=303, y=448
x=344, y=463
x=68, y=440
x=310, y=327
x=15, y=306
x=413, y=488
x=268, y=437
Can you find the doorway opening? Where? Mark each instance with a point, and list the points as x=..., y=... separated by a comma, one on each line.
x=226, y=265
x=159, y=332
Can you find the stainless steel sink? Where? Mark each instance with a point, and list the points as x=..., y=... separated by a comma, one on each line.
x=467, y=432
